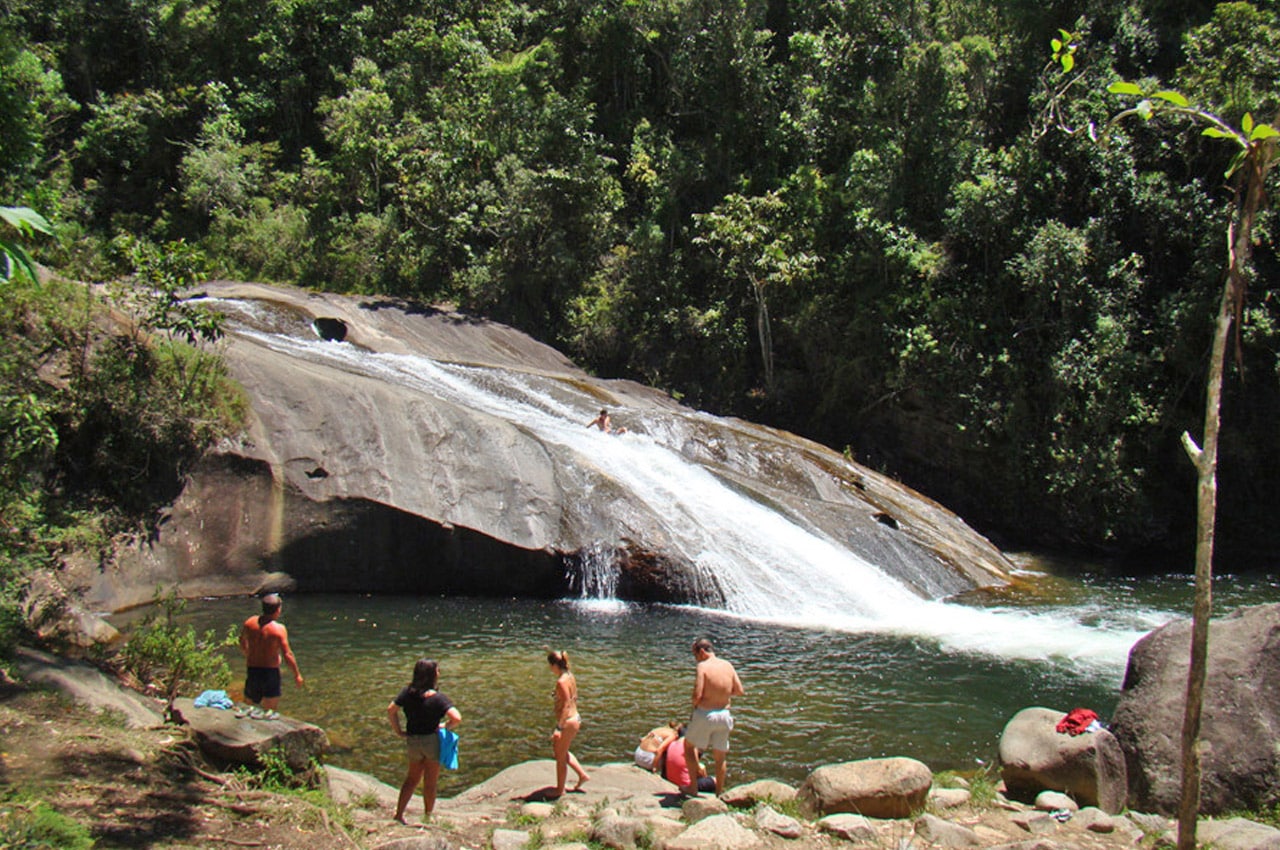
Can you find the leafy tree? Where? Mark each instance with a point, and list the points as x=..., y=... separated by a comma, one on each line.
x=752, y=246
x=1255, y=155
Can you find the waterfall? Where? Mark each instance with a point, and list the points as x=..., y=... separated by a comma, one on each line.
x=594, y=575
x=762, y=563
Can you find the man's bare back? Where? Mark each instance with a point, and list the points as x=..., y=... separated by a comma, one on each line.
x=263, y=641
x=716, y=683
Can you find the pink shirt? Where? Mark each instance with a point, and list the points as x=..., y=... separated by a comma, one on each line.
x=676, y=770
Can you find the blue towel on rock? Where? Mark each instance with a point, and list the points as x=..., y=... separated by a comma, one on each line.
x=214, y=699
x=448, y=749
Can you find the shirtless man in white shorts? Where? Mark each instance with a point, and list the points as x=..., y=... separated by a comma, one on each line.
x=709, y=727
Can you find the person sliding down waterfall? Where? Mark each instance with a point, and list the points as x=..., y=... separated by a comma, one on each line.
x=603, y=422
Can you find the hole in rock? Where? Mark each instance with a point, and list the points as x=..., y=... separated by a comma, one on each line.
x=330, y=329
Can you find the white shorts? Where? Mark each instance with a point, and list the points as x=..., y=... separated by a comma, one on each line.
x=709, y=729
x=644, y=759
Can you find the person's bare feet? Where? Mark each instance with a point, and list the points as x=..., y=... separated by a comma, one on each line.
x=583, y=779
x=689, y=790
x=399, y=818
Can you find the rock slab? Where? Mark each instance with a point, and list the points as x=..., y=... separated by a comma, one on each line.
x=238, y=740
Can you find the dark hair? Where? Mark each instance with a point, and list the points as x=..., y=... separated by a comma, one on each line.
x=558, y=659
x=271, y=603
x=425, y=673
x=702, y=644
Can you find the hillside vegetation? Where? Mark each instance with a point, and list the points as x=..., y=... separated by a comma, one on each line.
x=850, y=219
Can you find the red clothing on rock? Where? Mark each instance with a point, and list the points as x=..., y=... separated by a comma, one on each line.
x=1077, y=721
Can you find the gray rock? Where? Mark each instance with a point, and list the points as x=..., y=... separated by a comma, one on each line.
x=1239, y=764
x=350, y=787
x=509, y=839
x=1150, y=824
x=237, y=740
x=718, y=832
x=695, y=809
x=341, y=474
x=1054, y=801
x=1237, y=834
x=1094, y=820
x=1037, y=823
x=428, y=841
x=618, y=831
x=1035, y=757
x=541, y=811
x=853, y=828
x=88, y=686
x=944, y=833
x=877, y=788
x=771, y=820
x=949, y=798
x=663, y=829
x=761, y=791
x=57, y=617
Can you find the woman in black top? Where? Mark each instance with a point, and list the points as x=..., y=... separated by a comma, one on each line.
x=424, y=709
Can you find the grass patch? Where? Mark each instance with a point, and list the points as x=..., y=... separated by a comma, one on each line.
x=33, y=825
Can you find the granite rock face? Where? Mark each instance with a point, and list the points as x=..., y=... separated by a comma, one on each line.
x=1239, y=762
x=355, y=475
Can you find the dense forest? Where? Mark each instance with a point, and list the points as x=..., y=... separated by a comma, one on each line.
x=867, y=221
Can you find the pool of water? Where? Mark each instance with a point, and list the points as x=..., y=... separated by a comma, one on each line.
x=814, y=696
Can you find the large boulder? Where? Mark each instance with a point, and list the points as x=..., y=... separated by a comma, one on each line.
x=223, y=736
x=876, y=788
x=357, y=473
x=1239, y=761
x=1035, y=757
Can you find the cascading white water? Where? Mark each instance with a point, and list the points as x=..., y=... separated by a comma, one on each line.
x=766, y=566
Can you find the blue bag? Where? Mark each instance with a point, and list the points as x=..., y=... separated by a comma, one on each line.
x=448, y=749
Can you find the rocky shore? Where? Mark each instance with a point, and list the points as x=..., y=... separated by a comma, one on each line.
x=100, y=754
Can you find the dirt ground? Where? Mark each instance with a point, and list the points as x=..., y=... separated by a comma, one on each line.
x=144, y=788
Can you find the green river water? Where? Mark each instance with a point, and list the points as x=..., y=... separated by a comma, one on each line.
x=814, y=695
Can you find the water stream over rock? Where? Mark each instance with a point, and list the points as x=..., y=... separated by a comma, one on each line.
x=396, y=449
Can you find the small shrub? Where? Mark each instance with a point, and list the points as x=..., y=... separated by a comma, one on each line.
x=274, y=774
x=368, y=801
x=983, y=786
x=175, y=656
x=792, y=808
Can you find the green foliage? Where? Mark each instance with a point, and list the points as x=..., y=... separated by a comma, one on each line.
x=13, y=257
x=32, y=825
x=847, y=219
x=175, y=657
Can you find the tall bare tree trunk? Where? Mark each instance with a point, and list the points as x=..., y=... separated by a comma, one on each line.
x=1239, y=250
